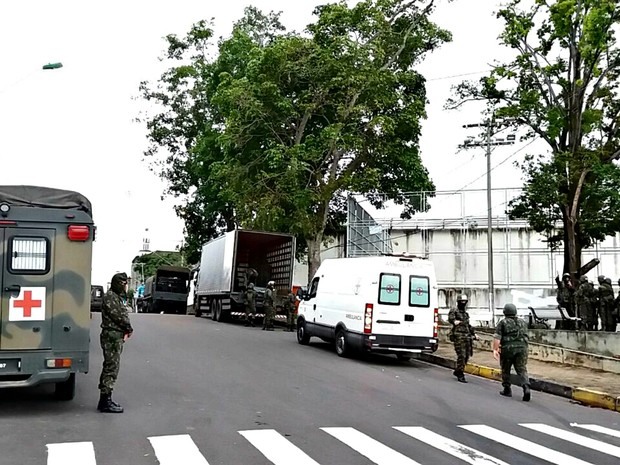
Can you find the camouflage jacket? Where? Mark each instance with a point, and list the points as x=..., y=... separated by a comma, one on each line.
x=605, y=295
x=249, y=298
x=463, y=328
x=289, y=302
x=114, y=314
x=512, y=333
x=268, y=302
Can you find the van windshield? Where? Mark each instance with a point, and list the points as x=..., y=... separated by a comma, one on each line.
x=419, y=291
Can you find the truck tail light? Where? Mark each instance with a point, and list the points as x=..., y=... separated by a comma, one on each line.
x=368, y=319
x=58, y=363
x=436, y=323
x=78, y=232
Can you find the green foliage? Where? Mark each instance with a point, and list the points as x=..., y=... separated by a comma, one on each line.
x=562, y=87
x=275, y=129
x=148, y=263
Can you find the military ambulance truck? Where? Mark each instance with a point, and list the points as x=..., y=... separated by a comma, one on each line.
x=167, y=290
x=229, y=262
x=46, y=240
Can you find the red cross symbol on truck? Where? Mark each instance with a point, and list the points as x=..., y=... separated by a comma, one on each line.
x=27, y=304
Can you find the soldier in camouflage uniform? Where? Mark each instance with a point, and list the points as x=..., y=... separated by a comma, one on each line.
x=510, y=346
x=249, y=299
x=606, y=304
x=566, y=300
x=289, y=307
x=269, y=307
x=462, y=334
x=115, y=329
x=584, y=304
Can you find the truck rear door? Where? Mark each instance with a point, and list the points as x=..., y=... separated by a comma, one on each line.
x=26, y=288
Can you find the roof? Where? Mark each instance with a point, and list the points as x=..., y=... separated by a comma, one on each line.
x=175, y=269
x=45, y=197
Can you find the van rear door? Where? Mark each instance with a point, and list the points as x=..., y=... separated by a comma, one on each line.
x=27, y=280
x=403, y=305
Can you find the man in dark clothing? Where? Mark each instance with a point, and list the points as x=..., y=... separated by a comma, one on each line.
x=461, y=335
x=250, y=305
x=510, y=346
x=115, y=330
x=585, y=301
x=606, y=304
x=566, y=299
x=289, y=308
x=269, y=306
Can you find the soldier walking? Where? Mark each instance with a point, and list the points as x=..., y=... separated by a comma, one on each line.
x=461, y=335
x=289, y=307
x=606, y=304
x=249, y=299
x=269, y=307
x=510, y=346
x=115, y=330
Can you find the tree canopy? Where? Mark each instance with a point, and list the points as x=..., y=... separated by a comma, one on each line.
x=148, y=263
x=274, y=128
x=562, y=87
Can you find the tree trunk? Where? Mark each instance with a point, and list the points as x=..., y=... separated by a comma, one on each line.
x=572, y=247
x=314, y=254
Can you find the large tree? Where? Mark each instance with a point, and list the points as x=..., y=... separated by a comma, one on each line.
x=287, y=123
x=562, y=87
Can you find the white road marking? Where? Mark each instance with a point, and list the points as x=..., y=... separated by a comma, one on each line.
x=598, y=429
x=455, y=449
x=574, y=438
x=276, y=448
x=176, y=449
x=368, y=447
x=71, y=453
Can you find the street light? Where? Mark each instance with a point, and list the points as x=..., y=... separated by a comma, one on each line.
x=52, y=65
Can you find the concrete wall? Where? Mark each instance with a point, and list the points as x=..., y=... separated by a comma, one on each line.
x=601, y=343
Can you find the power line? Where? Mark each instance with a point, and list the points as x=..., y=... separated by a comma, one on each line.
x=457, y=75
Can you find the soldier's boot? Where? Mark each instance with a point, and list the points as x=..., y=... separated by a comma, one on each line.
x=506, y=392
x=107, y=405
x=526, y=393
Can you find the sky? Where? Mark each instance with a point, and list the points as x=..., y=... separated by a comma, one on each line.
x=74, y=128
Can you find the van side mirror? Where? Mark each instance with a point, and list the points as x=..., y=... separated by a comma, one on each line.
x=302, y=293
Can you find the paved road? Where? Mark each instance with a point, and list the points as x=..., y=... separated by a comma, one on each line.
x=198, y=392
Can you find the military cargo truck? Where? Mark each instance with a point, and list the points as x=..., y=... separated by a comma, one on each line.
x=167, y=290
x=230, y=262
x=46, y=240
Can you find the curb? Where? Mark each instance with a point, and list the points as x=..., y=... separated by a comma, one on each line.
x=577, y=394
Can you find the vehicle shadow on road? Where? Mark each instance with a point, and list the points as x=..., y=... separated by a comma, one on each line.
x=34, y=401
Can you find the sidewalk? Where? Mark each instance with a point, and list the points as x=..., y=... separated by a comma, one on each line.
x=590, y=387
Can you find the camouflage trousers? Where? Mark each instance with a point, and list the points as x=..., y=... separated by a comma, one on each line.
x=461, y=347
x=270, y=315
x=112, y=345
x=250, y=312
x=290, y=317
x=516, y=357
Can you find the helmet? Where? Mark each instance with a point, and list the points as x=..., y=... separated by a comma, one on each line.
x=583, y=279
x=566, y=275
x=510, y=310
x=601, y=279
x=462, y=298
x=608, y=281
x=251, y=286
x=271, y=283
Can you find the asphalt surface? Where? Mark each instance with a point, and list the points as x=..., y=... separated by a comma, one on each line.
x=234, y=395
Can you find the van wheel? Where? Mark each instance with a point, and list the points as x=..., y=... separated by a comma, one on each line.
x=403, y=357
x=342, y=346
x=302, y=335
x=65, y=390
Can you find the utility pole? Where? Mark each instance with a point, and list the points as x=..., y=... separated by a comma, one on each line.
x=488, y=142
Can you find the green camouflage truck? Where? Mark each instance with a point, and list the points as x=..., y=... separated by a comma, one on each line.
x=46, y=238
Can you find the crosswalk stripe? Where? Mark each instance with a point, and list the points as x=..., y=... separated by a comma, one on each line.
x=175, y=449
x=524, y=445
x=71, y=453
x=458, y=450
x=368, y=447
x=598, y=429
x=276, y=448
x=574, y=438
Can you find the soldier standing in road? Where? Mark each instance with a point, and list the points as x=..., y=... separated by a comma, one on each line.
x=115, y=330
x=250, y=305
x=462, y=334
x=510, y=346
x=269, y=307
x=289, y=307
x=606, y=304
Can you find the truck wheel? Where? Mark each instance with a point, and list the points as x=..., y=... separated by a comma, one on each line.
x=213, y=307
x=342, y=346
x=65, y=390
x=218, y=311
x=302, y=335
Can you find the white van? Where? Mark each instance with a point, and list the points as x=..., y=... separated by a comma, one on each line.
x=385, y=304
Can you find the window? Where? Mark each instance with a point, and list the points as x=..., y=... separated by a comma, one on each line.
x=419, y=292
x=389, y=289
x=29, y=255
x=313, y=288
